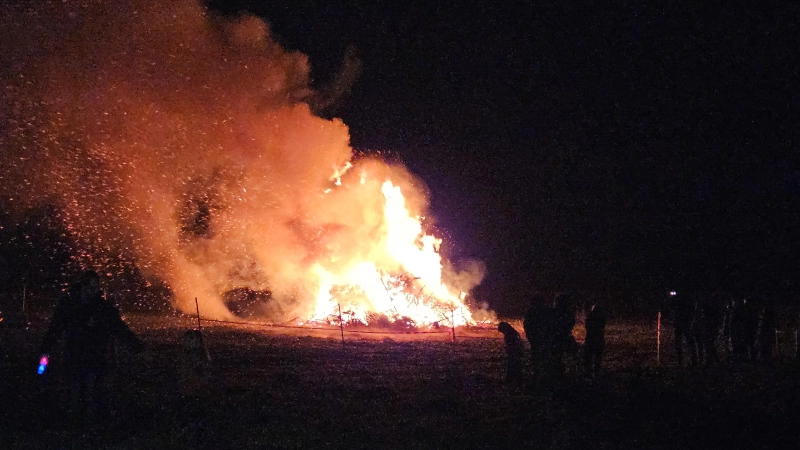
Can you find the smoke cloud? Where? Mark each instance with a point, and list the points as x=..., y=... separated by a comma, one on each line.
x=183, y=143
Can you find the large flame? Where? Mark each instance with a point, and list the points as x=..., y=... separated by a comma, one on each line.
x=374, y=285
x=183, y=144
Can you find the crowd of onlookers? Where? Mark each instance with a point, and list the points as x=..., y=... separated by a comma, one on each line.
x=746, y=327
x=548, y=329
x=701, y=324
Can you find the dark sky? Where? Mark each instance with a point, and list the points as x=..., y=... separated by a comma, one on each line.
x=624, y=147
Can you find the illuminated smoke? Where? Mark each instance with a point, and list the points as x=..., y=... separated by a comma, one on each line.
x=183, y=143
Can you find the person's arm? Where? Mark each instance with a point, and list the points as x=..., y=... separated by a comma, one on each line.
x=122, y=332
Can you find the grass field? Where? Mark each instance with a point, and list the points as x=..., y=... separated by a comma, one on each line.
x=304, y=389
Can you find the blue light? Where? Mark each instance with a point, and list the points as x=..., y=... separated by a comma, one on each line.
x=42, y=364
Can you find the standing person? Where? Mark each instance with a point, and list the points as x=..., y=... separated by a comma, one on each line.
x=532, y=325
x=595, y=343
x=796, y=314
x=711, y=315
x=514, y=351
x=766, y=332
x=744, y=329
x=89, y=325
x=737, y=330
x=726, y=326
x=563, y=323
x=683, y=310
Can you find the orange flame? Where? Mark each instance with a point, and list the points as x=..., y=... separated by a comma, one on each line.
x=417, y=293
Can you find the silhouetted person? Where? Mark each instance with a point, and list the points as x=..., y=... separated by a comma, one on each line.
x=796, y=315
x=563, y=323
x=532, y=325
x=766, y=332
x=744, y=330
x=595, y=343
x=726, y=326
x=736, y=329
x=710, y=317
x=89, y=325
x=514, y=351
x=683, y=310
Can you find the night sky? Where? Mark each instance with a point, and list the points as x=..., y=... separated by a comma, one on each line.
x=602, y=148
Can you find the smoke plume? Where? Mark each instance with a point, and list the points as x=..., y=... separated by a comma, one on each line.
x=183, y=143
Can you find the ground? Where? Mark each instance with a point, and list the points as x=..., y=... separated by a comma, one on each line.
x=302, y=389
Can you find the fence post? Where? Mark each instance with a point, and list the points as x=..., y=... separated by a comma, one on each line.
x=453, y=322
x=777, y=349
x=341, y=325
x=200, y=330
x=658, y=339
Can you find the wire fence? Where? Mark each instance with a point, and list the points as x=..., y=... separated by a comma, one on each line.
x=785, y=331
x=345, y=329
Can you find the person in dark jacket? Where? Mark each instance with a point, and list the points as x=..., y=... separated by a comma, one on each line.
x=766, y=331
x=744, y=330
x=514, y=351
x=533, y=324
x=711, y=315
x=89, y=326
x=683, y=318
x=595, y=343
x=562, y=339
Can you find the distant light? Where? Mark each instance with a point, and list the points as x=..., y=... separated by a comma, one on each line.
x=42, y=364
x=673, y=293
